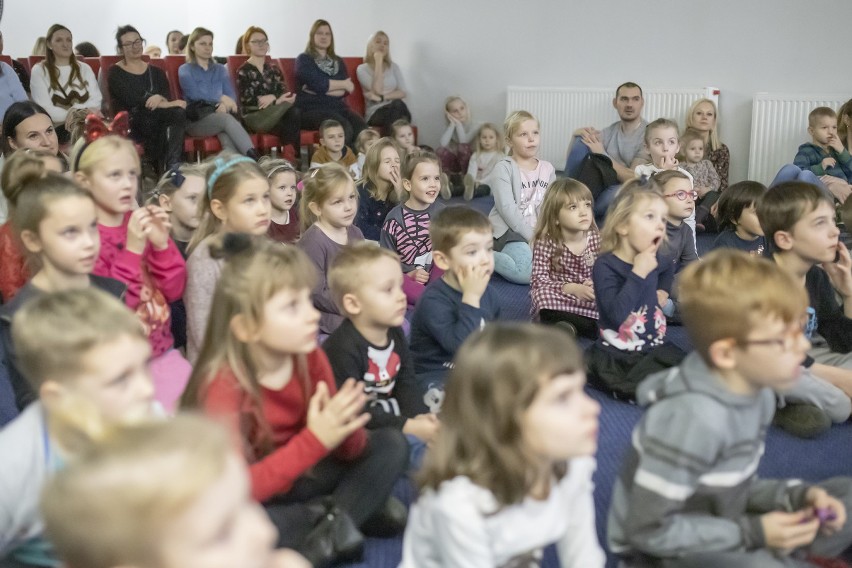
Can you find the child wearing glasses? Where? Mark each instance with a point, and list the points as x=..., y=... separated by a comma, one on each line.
x=678, y=249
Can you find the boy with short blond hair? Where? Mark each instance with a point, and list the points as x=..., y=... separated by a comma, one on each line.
x=370, y=346
x=798, y=221
x=333, y=146
x=688, y=494
x=461, y=301
x=84, y=352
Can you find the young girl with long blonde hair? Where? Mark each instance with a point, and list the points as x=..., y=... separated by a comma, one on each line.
x=328, y=209
x=261, y=371
x=510, y=471
x=487, y=151
x=518, y=184
x=565, y=247
x=236, y=201
x=626, y=279
x=379, y=188
x=136, y=249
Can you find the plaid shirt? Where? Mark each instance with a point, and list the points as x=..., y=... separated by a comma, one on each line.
x=546, y=282
x=810, y=157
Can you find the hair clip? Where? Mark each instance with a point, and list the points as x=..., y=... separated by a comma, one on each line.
x=283, y=167
x=221, y=167
x=644, y=180
x=314, y=172
x=97, y=128
x=176, y=177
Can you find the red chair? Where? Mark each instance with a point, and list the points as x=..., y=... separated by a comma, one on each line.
x=93, y=62
x=288, y=67
x=355, y=99
x=106, y=63
x=6, y=59
x=33, y=59
x=25, y=61
x=201, y=146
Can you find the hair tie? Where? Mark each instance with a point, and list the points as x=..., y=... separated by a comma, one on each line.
x=221, y=167
x=96, y=129
x=643, y=180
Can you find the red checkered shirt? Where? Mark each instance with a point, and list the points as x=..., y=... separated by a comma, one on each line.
x=546, y=282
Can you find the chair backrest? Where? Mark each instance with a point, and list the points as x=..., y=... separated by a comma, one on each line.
x=288, y=69
x=7, y=59
x=234, y=64
x=25, y=61
x=33, y=59
x=355, y=99
x=93, y=62
x=173, y=63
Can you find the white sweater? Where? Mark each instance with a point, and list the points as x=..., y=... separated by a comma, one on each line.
x=78, y=95
x=457, y=526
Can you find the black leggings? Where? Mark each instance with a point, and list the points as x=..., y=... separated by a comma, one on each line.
x=351, y=121
x=360, y=488
x=289, y=126
x=388, y=114
x=161, y=131
x=586, y=327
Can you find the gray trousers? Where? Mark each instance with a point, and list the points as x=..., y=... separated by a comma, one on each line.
x=231, y=133
x=812, y=389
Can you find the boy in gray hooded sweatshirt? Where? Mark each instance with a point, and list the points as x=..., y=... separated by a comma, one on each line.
x=688, y=493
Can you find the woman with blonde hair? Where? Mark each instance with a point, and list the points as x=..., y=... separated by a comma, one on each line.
x=702, y=117
x=384, y=88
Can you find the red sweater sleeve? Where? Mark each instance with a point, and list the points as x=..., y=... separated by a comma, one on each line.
x=13, y=268
x=124, y=266
x=168, y=270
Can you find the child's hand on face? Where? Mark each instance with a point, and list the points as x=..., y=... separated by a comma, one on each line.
x=840, y=272
x=835, y=143
x=424, y=426
x=828, y=163
x=473, y=280
x=395, y=179
x=451, y=118
x=646, y=261
x=418, y=275
x=701, y=190
x=333, y=419
x=667, y=163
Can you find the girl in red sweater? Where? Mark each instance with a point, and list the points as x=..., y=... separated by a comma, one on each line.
x=136, y=249
x=260, y=370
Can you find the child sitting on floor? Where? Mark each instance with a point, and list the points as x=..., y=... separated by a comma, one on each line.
x=333, y=146
x=737, y=218
x=705, y=178
x=688, y=494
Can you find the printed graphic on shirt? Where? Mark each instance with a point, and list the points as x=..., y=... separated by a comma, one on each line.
x=530, y=559
x=153, y=310
x=434, y=398
x=633, y=333
x=380, y=377
x=758, y=251
x=413, y=244
x=811, y=324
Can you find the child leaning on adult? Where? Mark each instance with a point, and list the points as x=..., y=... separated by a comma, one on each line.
x=143, y=91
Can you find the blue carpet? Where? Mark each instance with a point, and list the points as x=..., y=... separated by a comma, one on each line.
x=785, y=457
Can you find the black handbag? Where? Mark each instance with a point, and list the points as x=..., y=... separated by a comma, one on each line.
x=334, y=538
x=196, y=110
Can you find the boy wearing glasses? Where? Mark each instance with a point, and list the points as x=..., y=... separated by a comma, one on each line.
x=798, y=221
x=688, y=494
x=679, y=247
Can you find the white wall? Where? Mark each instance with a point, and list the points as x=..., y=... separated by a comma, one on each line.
x=478, y=47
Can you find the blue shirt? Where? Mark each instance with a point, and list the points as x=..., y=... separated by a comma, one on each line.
x=441, y=323
x=209, y=85
x=630, y=319
x=730, y=239
x=11, y=90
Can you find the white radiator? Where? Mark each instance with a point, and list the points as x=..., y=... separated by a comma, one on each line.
x=561, y=111
x=779, y=124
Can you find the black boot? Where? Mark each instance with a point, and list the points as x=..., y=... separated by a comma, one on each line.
x=334, y=538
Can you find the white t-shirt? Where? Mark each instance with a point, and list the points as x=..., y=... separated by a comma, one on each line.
x=533, y=187
x=460, y=526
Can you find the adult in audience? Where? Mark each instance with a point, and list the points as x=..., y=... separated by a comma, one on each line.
x=844, y=124
x=703, y=117
x=27, y=125
x=323, y=82
x=381, y=81
x=86, y=49
x=622, y=141
x=11, y=90
x=266, y=99
x=40, y=47
x=210, y=98
x=143, y=91
x=173, y=39
x=65, y=87
x=20, y=70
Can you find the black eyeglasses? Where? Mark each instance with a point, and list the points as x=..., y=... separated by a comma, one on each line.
x=791, y=337
x=682, y=194
x=138, y=43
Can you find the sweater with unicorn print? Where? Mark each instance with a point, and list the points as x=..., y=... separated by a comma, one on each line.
x=630, y=318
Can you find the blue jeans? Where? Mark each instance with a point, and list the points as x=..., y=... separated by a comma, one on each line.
x=514, y=262
x=792, y=172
